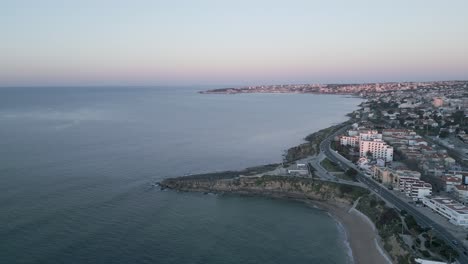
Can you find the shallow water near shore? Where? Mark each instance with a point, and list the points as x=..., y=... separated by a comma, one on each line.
x=78, y=166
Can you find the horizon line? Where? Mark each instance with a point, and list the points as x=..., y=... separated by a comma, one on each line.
x=224, y=85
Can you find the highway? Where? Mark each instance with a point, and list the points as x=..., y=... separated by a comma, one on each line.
x=422, y=219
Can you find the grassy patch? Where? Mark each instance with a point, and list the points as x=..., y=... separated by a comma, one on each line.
x=330, y=166
x=343, y=177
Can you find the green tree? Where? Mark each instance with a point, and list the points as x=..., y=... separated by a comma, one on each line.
x=443, y=134
x=352, y=173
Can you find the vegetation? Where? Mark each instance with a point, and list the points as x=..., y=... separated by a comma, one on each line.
x=269, y=185
x=330, y=166
x=312, y=146
x=352, y=173
x=392, y=225
x=230, y=174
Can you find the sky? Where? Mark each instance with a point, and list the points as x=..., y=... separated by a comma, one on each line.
x=242, y=42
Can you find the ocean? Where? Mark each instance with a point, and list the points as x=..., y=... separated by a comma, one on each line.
x=78, y=164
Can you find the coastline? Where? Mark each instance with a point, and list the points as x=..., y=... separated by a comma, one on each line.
x=359, y=233
x=360, y=236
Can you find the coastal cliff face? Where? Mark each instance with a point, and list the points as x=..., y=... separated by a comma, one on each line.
x=273, y=186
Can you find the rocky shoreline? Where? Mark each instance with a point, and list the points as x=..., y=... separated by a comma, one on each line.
x=269, y=186
x=335, y=198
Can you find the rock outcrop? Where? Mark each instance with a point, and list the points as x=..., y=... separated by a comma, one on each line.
x=272, y=186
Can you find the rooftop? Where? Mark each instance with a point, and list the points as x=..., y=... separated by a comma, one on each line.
x=457, y=207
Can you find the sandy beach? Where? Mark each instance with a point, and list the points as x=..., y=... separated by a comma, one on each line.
x=360, y=232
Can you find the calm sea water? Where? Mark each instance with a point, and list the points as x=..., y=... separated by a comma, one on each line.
x=77, y=167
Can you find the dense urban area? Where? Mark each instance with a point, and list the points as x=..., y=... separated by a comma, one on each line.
x=412, y=140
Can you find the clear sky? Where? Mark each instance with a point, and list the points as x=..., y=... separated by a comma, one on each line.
x=203, y=42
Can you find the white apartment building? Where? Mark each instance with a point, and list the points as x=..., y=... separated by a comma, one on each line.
x=414, y=188
x=352, y=141
x=456, y=213
x=397, y=132
x=378, y=148
x=369, y=135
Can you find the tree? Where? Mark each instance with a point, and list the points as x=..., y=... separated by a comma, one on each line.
x=352, y=173
x=443, y=134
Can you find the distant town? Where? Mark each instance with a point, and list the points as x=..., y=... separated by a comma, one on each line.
x=355, y=89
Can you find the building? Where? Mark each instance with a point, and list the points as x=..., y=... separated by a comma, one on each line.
x=456, y=213
x=414, y=188
x=462, y=193
x=384, y=175
x=437, y=101
x=369, y=135
x=377, y=148
x=392, y=177
x=352, y=141
x=425, y=261
x=450, y=182
x=355, y=136
x=397, y=132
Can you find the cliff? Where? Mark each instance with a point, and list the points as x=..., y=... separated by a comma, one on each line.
x=312, y=144
x=272, y=186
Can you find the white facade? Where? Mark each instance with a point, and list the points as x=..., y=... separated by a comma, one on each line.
x=349, y=141
x=378, y=148
x=414, y=188
x=462, y=191
x=355, y=136
x=456, y=213
x=369, y=135
x=424, y=261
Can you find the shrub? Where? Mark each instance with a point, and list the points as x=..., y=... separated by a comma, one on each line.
x=426, y=254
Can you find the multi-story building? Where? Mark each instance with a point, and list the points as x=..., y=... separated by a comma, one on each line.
x=456, y=213
x=462, y=193
x=397, y=132
x=352, y=141
x=393, y=177
x=450, y=182
x=377, y=147
x=369, y=135
x=385, y=175
x=414, y=188
x=355, y=136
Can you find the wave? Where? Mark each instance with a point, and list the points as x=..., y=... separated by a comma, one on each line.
x=344, y=235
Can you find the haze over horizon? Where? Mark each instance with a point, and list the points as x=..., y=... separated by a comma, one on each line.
x=212, y=42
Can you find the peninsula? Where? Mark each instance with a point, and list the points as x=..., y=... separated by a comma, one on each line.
x=381, y=225
x=338, y=199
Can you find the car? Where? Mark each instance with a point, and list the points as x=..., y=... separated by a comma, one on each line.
x=455, y=242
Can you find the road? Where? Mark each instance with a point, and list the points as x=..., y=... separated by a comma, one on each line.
x=423, y=220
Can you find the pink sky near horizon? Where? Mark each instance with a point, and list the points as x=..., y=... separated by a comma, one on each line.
x=161, y=43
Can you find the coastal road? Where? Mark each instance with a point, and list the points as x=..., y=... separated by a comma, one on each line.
x=422, y=219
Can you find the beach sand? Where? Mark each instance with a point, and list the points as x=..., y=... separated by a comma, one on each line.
x=361, y=233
